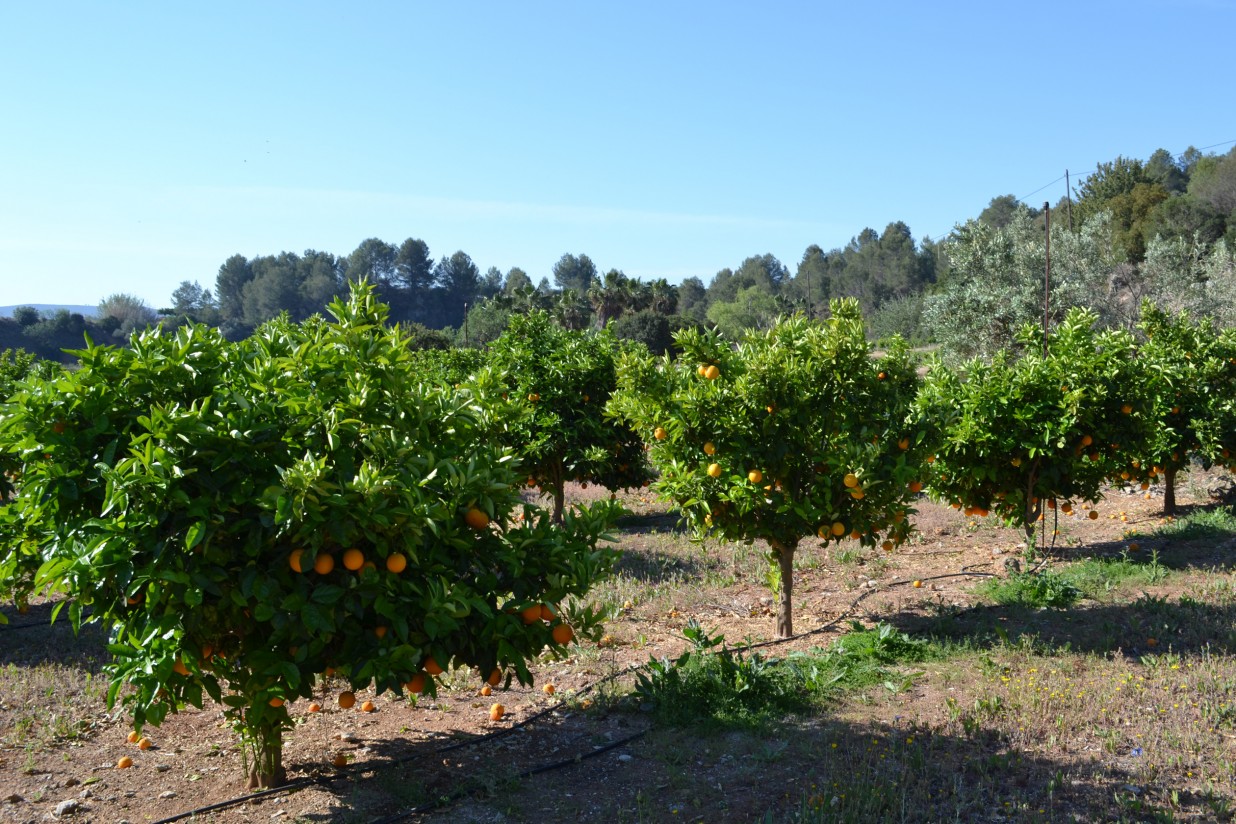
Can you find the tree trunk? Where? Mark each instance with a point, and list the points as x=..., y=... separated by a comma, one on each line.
x=266, y=767
x=557, y=487
x=1169, y=490
x=785, y=609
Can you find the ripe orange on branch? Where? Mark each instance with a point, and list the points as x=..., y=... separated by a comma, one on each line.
x=476, y=519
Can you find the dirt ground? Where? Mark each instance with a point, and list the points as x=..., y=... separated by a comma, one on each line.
x=602, y=759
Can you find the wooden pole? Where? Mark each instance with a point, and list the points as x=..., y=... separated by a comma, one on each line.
x=1047, y=274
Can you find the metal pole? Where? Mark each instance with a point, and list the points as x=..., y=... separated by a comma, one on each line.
x=1047, y=274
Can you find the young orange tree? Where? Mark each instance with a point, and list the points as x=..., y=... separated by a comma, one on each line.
x=1191, y=368
x=555, y=383
x=796, y=432
x=245, y=517
x=1024, y=432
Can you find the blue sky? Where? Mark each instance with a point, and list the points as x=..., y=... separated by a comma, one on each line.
x=144, y=143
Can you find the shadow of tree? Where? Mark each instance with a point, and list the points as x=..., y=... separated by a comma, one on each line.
x=32, y=639
x=808, y=768
x=1148, y=624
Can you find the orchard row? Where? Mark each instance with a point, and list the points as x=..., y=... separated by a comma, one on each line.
x=246, y=517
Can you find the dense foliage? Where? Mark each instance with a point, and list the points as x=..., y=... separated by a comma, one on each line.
x=555, y=384
x=795, y=432
x=246, y=517
x=1023, y=432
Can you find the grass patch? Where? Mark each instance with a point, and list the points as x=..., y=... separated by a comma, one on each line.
x=1040, y=589
x=1200, y=525
x=1095, y=575
x=712, y=685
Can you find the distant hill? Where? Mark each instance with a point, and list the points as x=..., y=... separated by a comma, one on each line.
x=46, y=309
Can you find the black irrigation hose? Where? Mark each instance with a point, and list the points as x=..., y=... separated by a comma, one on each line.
x=305, y=783
x=430, y=806
x=294, y=786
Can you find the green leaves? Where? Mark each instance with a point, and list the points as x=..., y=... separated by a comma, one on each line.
x=787, y=416
x=1017, y=432
x=212, y=500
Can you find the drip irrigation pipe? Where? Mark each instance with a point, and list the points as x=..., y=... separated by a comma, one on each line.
x=305, y=783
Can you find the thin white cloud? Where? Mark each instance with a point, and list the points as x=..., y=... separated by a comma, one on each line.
x=472, y=209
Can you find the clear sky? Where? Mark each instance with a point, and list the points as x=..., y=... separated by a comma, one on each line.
x=143, y=143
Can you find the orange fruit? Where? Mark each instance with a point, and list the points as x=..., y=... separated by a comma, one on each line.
x=659, y=433
x=881, y=376
x=145, y=744
x=887, y=546
x=294, y=560
x=328, y=672
x=534, y=397
x=315, y=707
x=712, y=372
x=416, y=685
x=347, y=699
x=714, y=470
x=124, y=763
x=856, y=534
x=531, y=615
x=353, y=559
x=850, y=480
x=1086, y=440
x=857, y=494
x=431, y=667
x=496, y=712
x=918, y=584
x=487, y=690
x=710, y=448
x=1094, y=515
x=379, y=631
x=824, y=532
x=547, y=614
x=179, y=667
x=476, y=519
x=340, y=760
x=1126, y=409
x=838, y=528
x=548, y=689
x=701, y=369
x=916, y=486
x=134, y=736
x=755, y=476
x=396, y=562
x=1016, y=462
x=323, y=564
x=368, y=707
x=903, y=444
x=494, y=678
x=562, y=634
x=276, y=702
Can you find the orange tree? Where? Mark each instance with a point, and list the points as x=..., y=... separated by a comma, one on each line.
x=246, y=517
x=19, y=557
x=1191, y=368
x=554, y=384
x=1024, y=432
x=796, y=432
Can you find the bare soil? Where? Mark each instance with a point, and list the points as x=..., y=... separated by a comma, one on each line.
x=604, y=760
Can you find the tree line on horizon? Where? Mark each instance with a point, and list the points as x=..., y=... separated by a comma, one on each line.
x=1163, y=228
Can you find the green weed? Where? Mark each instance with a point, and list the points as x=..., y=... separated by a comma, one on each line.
x=1040, y=589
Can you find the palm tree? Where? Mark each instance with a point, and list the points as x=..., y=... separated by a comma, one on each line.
x=611, y=297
